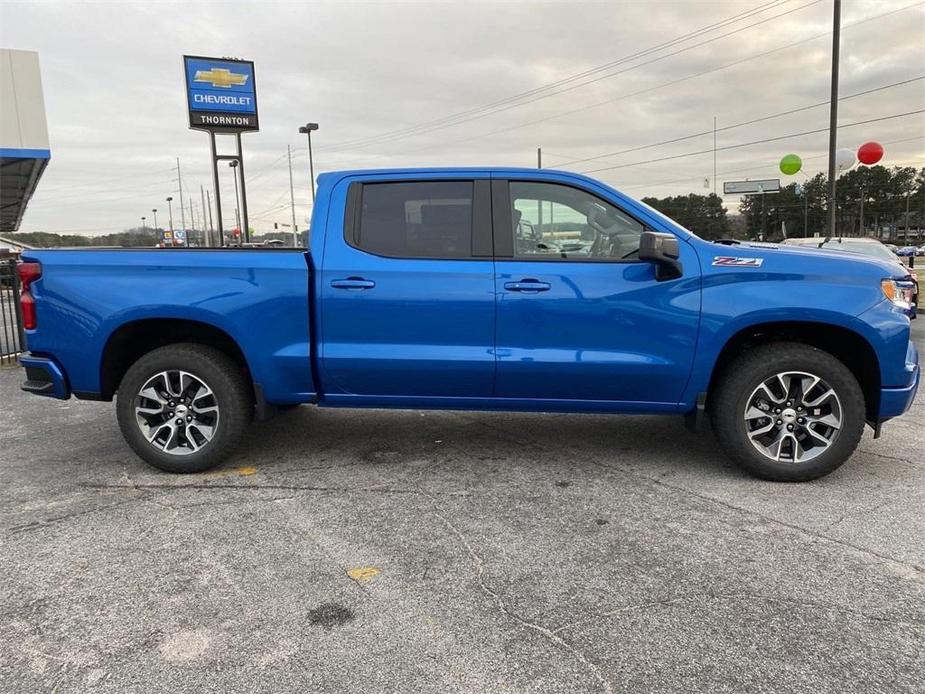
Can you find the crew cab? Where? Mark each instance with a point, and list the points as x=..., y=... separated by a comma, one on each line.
x=478, y=289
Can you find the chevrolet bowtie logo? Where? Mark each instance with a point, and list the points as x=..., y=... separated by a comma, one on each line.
x=220, y=77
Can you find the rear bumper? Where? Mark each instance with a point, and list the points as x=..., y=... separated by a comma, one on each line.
x=895, y=401
x=44, y=377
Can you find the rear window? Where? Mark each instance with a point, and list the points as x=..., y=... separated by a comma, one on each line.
x=421, y=219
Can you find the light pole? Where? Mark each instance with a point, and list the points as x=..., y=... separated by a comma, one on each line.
x=237, y=201
x=833, y=117
x=155, y=218
x=307, y=130
x=143, y=227
x=170, y=211
x=861, y=213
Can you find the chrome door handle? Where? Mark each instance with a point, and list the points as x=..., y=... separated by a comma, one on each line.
x=353, y=283
x=527, y=286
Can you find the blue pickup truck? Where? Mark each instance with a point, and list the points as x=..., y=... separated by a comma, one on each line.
x=478, y=289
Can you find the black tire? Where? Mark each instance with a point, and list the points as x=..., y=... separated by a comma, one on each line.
x=232, y=395
x=752, y=368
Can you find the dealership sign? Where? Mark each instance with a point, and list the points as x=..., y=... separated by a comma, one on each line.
x=220, y=94
x=768, y=185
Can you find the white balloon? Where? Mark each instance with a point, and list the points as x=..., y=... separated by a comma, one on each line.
x=844, y=159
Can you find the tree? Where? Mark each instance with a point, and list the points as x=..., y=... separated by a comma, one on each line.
x=702, y=214
x=130, y=238
x=769, y=214
x=883, y=192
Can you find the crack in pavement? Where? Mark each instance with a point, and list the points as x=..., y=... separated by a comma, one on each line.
x=858, y=512
x=35, y=525
x=276, y=487
x=496, y=597
x=667, y=602
x=619, y=468
x=888, y=457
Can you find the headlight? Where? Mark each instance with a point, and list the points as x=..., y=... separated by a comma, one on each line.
x=896, y=294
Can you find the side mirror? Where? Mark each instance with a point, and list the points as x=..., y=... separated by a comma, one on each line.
x=662, y=249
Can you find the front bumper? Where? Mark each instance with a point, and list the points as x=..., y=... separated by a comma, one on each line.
x=44, y=377
x=895, y=401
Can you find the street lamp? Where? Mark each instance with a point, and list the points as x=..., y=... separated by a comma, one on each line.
x=155, y=218
x=307, y=130
x=143, y=227
x=170, y=211
x=237, y=201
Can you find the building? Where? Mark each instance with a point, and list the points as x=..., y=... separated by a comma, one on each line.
x=24, y=148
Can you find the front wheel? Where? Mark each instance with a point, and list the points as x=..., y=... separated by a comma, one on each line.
x=183, y=408
x=788, y=412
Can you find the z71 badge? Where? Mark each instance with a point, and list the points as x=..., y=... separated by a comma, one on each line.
x=732, y=261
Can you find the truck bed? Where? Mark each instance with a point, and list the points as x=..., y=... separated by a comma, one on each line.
x=257, y=297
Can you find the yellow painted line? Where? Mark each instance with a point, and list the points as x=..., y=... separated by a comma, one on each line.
x=245, y=471
x=364, y=573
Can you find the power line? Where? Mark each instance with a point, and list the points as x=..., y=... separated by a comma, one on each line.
x=743, y=123
x=670, y=83
x=491, y=109
x=754, y=142
x=565, y=80
x=750, y=168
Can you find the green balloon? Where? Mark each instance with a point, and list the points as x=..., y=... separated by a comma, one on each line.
x=791, y=164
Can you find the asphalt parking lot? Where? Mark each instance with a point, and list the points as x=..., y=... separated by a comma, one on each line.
x=466, y=552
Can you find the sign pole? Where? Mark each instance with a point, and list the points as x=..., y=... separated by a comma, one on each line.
x=218, y=194
x=222, y=97
x=247, y=230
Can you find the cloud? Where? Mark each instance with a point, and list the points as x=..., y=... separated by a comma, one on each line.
x=113, y=86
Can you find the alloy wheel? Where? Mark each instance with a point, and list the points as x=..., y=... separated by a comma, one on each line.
x=793, y=417
x=177, y=412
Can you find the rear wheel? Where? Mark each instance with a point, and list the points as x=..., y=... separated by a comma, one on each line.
x=788, y=412
x=183, y=408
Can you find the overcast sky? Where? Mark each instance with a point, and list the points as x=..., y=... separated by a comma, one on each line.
x=387, y=82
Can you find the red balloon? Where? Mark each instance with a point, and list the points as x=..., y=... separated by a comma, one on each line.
x=870, y=153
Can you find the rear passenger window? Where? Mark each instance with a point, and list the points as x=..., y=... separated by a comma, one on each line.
x=423, y=219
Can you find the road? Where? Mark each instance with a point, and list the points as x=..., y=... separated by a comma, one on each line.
x=455, y=552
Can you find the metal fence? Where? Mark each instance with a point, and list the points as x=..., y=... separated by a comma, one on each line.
x=11, y=334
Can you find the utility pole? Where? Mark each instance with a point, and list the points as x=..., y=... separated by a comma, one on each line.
x=291, y=191
x=805, y=213
x=192, y=219
x=180, y=186
x=539, y=203
x=714, y=155
x=202, y=196
x=221, y=242
x=833, y=114
x=908, y=195
x=861, y=213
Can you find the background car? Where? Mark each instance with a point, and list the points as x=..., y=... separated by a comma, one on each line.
x=873, y=249
x=906, y=251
